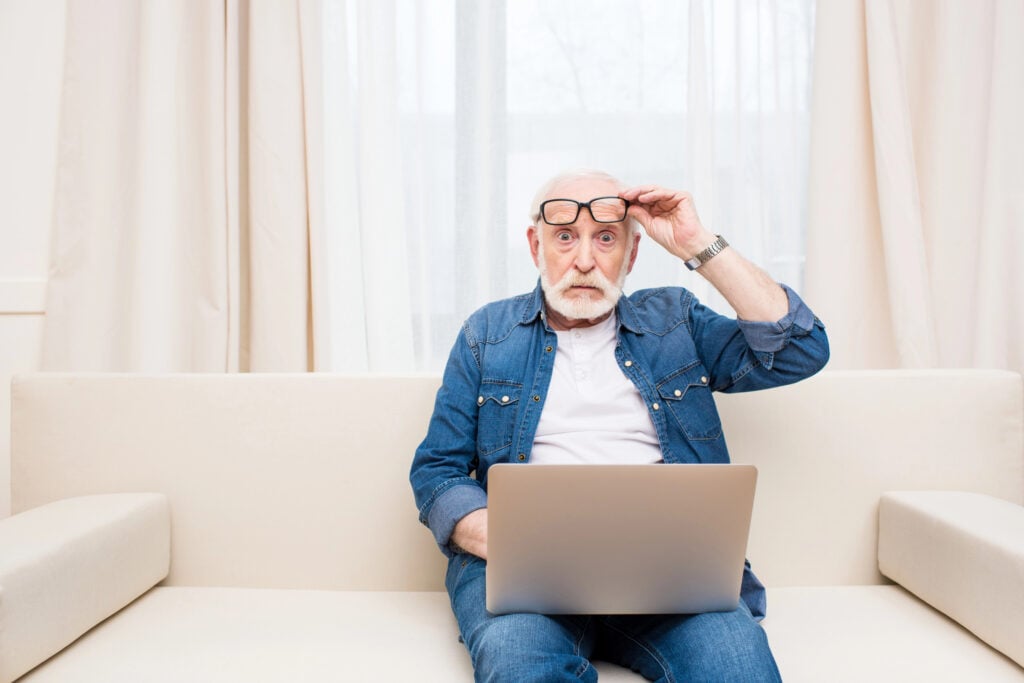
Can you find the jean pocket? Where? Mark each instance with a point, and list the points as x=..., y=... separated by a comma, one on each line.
x=497, y=407
x=686, y=394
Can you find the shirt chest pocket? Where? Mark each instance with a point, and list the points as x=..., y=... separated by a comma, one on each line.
x=686, y=395
x=497, y=408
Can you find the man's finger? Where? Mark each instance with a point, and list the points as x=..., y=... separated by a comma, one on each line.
x=653, y=194
x=634, y=192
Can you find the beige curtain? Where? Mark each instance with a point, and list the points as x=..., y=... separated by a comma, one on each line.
x=916, y=199
x=189, y=194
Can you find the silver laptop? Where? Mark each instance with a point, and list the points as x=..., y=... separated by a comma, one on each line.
x=617, y=539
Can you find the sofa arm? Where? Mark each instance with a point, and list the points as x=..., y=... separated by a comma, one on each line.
x=66, y=566
x=962, y=553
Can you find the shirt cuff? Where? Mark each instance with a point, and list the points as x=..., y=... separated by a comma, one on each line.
x=451, y=506
x=764, y=337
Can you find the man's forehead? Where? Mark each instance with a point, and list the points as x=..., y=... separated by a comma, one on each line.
x=583, y=189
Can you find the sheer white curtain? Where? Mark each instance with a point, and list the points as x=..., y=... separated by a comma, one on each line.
x=443, y=117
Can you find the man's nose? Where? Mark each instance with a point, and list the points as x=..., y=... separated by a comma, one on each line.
x=584, y=261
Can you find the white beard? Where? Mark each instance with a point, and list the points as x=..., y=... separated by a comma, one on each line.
x=585, y=307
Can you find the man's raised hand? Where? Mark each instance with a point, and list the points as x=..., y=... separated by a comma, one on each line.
x=670, y=218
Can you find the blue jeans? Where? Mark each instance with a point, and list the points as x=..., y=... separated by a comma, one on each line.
x=717, y=646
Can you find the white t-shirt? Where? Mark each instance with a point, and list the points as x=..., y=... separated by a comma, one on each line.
x=593, y=412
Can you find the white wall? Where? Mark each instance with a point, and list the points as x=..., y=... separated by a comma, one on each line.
x=31, y=63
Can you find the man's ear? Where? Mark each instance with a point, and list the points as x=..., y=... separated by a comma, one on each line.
x=533, y=237
x=636, y=247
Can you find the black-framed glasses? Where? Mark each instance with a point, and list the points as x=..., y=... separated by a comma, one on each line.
x=566, y=211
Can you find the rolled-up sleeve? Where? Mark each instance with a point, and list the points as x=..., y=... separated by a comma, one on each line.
x=772, y=337
x=456, y=501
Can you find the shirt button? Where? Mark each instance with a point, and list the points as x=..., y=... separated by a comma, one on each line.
x=677, y=392
x=536, y=398
x=548, y=349
x=504, y=399
x=656, y=406
x=628, y=363
x=703, y=380
x=479, y=400
x=522, y=457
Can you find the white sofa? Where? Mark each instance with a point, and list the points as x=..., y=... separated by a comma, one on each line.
x=261, y=528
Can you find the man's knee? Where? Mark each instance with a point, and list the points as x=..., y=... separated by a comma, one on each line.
x=494, y=644
x=727, y=646
x=717, y=646
x=528, y=647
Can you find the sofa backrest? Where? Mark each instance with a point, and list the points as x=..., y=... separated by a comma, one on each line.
x=301, y=481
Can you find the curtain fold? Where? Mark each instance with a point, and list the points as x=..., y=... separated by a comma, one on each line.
x=185, y=201
x=366, y=246
x=899, y=202
x=283, y=212
x=917, y=169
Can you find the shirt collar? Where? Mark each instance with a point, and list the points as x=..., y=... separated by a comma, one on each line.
x=628, y=316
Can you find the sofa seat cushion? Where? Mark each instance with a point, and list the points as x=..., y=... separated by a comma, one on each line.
x=251, y=634
x=878, y=633
x=874, y=633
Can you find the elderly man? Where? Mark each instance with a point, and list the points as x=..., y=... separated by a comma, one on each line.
x=569, y=373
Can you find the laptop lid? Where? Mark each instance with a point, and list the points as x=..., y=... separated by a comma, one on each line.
x=617, y=539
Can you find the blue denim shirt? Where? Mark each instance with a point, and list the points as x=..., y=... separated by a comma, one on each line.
x=675, y=350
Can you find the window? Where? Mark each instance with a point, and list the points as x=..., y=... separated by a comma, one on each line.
x=443, y=118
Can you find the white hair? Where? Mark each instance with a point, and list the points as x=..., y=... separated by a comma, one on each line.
x=569, y=176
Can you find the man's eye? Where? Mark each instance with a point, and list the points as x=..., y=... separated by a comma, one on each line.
x=606, y=238
x=563, y=236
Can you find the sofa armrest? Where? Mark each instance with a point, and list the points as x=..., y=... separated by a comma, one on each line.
x=66, y=566
x=962, y=553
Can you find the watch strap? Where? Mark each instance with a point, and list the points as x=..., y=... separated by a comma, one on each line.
x=714, y=249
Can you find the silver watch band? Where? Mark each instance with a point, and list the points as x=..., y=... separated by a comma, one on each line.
x=703, y=257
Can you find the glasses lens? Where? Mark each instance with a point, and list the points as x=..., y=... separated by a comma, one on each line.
x=608, y=209
x=560, y=211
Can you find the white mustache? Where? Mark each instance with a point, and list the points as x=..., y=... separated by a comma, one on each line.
x=593, y=279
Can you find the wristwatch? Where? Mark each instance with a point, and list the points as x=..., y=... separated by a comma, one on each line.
x=703, y=257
